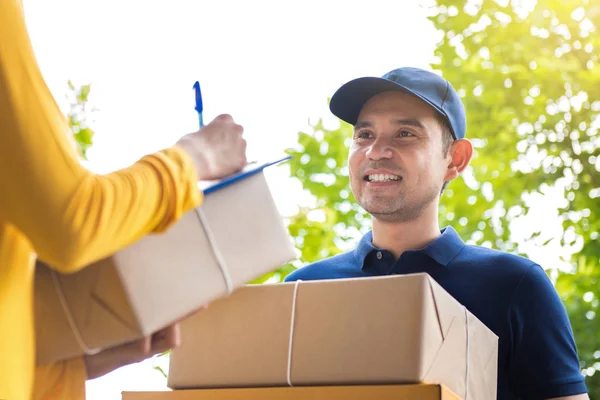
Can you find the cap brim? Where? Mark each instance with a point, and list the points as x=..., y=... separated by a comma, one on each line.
x=350, y=98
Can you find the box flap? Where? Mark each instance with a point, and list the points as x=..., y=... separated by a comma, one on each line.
x=468, y=346
x=91, y=299
x=251, y=169
x=484, y=358
x=98, y=304
x=447, y=307
x=54, y=338
x=451, y=355
x=450, y=359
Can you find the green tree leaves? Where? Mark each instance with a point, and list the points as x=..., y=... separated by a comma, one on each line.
x=78, y=117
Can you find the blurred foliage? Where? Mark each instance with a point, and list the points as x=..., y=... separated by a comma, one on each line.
x=78, y=117
x=336, y=219
x=529, y=80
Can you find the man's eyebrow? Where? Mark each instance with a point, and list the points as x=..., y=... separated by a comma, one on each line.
x=408, y=121
x=363, y=124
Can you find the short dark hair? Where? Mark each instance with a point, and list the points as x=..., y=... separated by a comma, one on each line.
x=447, y=139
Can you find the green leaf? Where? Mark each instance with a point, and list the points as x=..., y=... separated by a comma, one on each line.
x=78, y=117
x=159, y=369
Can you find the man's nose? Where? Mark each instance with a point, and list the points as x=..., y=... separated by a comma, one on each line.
x=380, y=149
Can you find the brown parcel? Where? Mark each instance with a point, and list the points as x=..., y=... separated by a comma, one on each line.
x=162, y=277
x=387, y=392
x=382, y=330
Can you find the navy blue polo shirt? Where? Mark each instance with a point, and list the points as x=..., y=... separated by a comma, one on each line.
x=511, y=295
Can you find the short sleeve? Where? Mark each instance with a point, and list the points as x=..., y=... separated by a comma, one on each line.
x=544, y=362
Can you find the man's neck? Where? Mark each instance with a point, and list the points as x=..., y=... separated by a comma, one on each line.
x=398, y=237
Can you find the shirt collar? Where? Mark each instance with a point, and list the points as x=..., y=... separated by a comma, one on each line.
x=442, y=250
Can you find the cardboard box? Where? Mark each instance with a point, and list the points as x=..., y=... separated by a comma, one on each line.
x=369, y=331
x=385, y=392
x=163, y=277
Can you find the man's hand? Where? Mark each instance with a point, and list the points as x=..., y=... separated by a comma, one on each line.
x=110, y=359
x=218, y=149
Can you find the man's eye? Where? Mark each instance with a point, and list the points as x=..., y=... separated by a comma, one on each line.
x=404, y=133
x=364, y=135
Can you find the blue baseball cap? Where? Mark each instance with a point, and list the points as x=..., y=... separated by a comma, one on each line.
x=434, y=90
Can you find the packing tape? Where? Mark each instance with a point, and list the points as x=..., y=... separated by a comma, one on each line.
x=215, y=249
x=291, y=341
x=65, y=306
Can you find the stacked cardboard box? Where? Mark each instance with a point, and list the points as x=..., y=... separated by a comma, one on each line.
x=394, y=330
x=383, y=392
x=235, y=236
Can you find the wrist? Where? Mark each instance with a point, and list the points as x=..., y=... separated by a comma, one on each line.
x=197, y=157
x=90, y=367
x=106, y=361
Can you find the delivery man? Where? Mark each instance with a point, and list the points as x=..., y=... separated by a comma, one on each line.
x=408, y=143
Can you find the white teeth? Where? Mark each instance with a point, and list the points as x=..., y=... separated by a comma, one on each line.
x=382, y=178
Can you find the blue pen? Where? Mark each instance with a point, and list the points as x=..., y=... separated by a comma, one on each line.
x=199, y=105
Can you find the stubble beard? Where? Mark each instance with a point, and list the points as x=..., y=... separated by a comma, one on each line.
x=399, y=209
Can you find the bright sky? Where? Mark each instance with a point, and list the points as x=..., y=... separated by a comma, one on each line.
x=271, y=64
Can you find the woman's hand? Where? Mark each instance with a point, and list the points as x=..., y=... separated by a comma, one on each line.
x=110, y=359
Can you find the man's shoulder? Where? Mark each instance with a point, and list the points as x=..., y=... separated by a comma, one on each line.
x=339, y=266
x=511, y=273
x=497, y=259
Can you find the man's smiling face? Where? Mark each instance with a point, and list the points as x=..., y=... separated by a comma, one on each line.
x=396, y=162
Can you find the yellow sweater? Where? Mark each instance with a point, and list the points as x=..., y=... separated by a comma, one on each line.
x=51, y=207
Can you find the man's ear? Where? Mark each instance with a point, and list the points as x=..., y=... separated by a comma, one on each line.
x=459, y=155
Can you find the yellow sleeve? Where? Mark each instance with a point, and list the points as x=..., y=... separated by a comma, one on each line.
x=70, y=215
x=60, y=381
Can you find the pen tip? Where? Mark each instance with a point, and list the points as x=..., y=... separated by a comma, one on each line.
x=198, y=95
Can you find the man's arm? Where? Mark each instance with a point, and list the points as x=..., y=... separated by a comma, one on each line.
x=544, y=362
